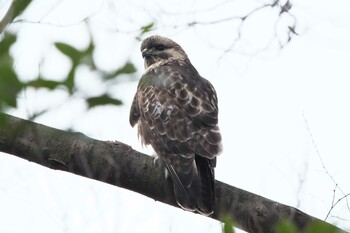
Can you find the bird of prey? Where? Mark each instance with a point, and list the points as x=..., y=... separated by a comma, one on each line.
x=176, y=111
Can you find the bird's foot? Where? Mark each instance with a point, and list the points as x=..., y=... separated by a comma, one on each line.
x=155, y=158
x=166, y=173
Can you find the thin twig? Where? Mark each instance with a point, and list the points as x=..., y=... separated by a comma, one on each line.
x=327, y=172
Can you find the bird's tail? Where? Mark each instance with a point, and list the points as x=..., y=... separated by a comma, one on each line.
x=193, y=180
x=205, y=167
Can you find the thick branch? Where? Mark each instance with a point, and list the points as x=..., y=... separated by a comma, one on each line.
x=118, y=164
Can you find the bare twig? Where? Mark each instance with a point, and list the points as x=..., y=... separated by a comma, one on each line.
x=328, y=174
x=335, y=203
x=284, y=9
x=41, y=20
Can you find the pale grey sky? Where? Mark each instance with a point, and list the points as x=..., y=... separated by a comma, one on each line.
x=265, y=101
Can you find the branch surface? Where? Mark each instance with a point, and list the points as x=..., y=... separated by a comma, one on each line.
x=118, y=164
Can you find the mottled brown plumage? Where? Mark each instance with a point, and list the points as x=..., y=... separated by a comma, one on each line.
x=177, y=113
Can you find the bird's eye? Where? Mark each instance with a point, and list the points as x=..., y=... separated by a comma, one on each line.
x=160, y=47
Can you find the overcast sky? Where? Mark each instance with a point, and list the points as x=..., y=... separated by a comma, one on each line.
x=284, y=113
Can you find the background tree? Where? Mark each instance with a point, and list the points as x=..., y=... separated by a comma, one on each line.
x=65, y=107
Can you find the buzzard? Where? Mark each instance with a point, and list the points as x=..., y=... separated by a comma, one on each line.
x=176, y=111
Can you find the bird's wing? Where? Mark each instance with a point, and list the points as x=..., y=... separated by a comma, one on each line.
x=134, y=112
x=197, y=98
x=181, y=108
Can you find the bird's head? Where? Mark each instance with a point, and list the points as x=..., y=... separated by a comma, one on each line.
x=156, y=49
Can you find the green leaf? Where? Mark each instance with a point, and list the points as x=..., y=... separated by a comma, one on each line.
x=10, y=86
x=20, y=6
x=102, y=100
x=128, y=68
x=69, y=82
x=146, y=28
x=320, y=226
x=78, y=57
x=228, y=225
x=86, y=56
x=41, y=83
x=2, y=120
x=6, y=43
x=286, y=226
x=69, y=51
x=89, y=49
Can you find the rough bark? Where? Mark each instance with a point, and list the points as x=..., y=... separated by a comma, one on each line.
x=118, y=164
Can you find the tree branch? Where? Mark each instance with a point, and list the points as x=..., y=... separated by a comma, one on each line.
x=6, y=19
x=118, y=164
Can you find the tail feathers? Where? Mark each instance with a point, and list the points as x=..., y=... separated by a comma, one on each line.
x=205, y=167
x=194, y=184
x=184, y=197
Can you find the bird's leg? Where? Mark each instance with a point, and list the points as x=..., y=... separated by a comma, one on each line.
x=166, y=173
x=162, y=163
x=155, y=158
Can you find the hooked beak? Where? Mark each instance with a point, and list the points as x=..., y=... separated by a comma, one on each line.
x=145, y=53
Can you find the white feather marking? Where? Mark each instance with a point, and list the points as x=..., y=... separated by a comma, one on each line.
x=190, y=97
x=170, y=109
x=145, y=106
x=157, y=110
x=215, y=130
